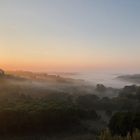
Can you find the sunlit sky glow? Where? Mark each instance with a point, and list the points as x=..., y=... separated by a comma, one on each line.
x=74, y=35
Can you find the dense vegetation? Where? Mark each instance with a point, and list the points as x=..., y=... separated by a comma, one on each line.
x=29, y=107
x=41, y=115
x=123, y=123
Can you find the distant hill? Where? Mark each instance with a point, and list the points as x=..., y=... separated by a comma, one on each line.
x=135, y=78
x=6, y=76
x=44, y=77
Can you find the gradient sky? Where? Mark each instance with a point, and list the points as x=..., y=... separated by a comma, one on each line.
x=62, y=35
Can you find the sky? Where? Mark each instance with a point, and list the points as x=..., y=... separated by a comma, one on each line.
x=70, y=35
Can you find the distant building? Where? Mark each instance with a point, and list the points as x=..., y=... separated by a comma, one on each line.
x=2, y=72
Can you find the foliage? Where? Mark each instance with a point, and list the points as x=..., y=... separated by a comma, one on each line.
x=29, y=115
x=123, y=122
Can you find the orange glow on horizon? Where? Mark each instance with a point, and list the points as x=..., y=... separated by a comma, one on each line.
x=57, y=66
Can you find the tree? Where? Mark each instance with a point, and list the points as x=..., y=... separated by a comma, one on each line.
x=123, y=123
x=100, y=88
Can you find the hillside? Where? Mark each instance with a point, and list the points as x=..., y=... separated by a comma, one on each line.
x=135, y=78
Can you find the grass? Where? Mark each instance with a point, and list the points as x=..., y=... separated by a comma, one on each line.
x=106, y=135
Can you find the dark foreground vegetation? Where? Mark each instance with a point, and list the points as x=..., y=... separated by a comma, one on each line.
x=41, y=116
x=33, y=109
